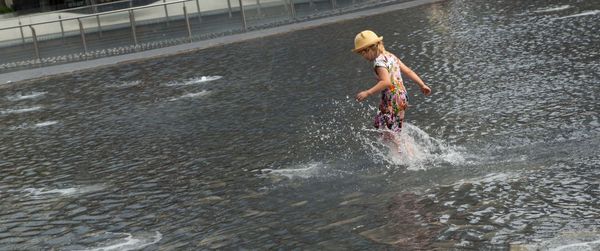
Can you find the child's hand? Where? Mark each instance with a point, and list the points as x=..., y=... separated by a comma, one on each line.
x=426, y=90
x=362, y=96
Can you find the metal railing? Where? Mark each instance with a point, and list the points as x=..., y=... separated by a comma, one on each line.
x=97, y=15
x=132, y=23
x=164, y=3
x=177, y=20
x=93, y=7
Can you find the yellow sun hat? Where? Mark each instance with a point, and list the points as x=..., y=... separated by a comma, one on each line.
x=364, y=39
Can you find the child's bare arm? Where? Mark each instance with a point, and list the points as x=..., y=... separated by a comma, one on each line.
x=384, y=82
x=412, y=75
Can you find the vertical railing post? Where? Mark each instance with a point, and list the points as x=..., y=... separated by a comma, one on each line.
x=35, y=43
x=259, y=8
x=132, y=23
x=130, y=3
x=94, y=8
x=333, y=4
x=187, y=22
x=199, y=13
x=245, y=27
x=22, y=35
x=229, y=7
x=287, y=9
x=99, y=25
x=62, y=28
x=166, y=12
x=94, y=11
x=292, y=9
x=82, y=31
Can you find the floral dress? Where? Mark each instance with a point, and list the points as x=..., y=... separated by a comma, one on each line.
x=394, y=99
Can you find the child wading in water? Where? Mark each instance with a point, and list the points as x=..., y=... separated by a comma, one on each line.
x=389, y=70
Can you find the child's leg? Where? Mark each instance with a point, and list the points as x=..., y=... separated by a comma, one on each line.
x=391, y=135
x=397, y=129
x=409, y=149
x=392, y=140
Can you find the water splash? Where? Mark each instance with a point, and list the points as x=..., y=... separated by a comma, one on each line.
x=342, y=135
x=417, y=150
x=129, y=242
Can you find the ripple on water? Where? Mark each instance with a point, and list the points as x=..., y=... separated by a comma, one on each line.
x=116, y=241
x=36, y=125
x=20, y=110
x=191, y=95
x=566, y=241
x=305, y=171
x=585, y=13
x=552, y=9
x=72, y=191
x=124, y=84
x=520, y=208
x=193, y=81
x=22, y=96
x=417, y=151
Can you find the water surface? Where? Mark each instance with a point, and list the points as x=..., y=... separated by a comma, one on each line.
x=261, y=145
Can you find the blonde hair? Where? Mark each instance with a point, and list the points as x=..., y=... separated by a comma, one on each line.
x=377, y=46
x=380, y=47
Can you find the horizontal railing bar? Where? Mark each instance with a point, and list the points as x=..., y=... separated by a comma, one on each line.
x=73, y=9
x=101, y=14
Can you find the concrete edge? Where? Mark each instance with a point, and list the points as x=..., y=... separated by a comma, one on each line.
x=50, y=71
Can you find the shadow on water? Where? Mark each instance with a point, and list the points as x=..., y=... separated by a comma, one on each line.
x=260, y=145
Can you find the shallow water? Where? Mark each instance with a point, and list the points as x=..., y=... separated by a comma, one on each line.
x=260, y=144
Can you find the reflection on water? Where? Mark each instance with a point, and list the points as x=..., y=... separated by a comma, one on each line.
x=22, y=96
x=190, y=95
x=125, y=84
x=585, y=13
x=72, y=191
x=129, y=242
x=195, y=80
x=20, y=110
x=260, y=146
x=552, y=9
x=519, y=208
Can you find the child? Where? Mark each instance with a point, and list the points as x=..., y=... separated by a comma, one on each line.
x=389, y=70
